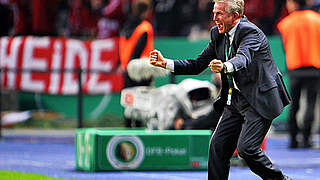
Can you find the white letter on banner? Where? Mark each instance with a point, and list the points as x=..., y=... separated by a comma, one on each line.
x=30, y=62
x=56, y=65
x=9, y=60
x=94, y=86
x=74, y=48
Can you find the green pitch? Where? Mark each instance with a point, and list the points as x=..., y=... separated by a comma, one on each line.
x=14, y=175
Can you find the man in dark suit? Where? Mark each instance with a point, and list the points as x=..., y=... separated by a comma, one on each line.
x=252, y=93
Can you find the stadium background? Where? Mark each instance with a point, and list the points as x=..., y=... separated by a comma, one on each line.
x=111, y=114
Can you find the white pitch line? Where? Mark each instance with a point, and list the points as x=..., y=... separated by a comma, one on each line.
x=37, y=163
x=162, y=176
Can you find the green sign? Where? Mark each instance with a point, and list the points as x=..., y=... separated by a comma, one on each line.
x=101, y=149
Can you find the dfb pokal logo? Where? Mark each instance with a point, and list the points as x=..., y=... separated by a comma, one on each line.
x=125, y=152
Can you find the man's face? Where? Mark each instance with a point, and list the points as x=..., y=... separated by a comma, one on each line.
x=222, y=18
x=291, y=6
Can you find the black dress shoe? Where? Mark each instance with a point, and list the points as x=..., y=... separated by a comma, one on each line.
x=306, y=144
x=293, y=144
x=285, y=177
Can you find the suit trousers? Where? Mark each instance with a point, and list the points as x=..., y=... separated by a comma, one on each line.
x=241, y=127
x=297, y=84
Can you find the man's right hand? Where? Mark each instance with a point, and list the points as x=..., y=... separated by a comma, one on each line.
x=157, y=59
x=216, y=66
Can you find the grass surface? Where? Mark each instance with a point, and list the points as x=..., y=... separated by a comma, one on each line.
x=14, y=175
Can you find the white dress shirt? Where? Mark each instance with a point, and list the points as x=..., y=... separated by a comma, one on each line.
x=231, y=33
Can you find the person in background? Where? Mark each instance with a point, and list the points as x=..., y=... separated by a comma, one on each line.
x=187, y=16
x=22, y=12
x=208, y=121
x=175, y=17
x=6, y=18
x=166, y=17
x=252, y=92
x=316, y=5
x=265, y=14
x=136, y=41
x=112, y=16
x=44, y=17
x=82, y=21
x=201, y=28
x=35, y=17
x=300, y=32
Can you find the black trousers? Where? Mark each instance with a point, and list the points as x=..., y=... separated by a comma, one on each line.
x=240, y=127
x=297, y=84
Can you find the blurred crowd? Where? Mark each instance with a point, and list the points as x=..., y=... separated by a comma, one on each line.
x=105, y=18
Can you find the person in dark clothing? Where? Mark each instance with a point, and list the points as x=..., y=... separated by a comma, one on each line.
x=208, y=121
x=200, y=99
x=5, y=19
x=136, y=41
x=303, y=65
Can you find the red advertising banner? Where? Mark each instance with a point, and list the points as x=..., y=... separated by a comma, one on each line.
x=49, y=65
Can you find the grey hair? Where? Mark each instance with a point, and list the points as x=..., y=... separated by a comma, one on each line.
x=234, y=6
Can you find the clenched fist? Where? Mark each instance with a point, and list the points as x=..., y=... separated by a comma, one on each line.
x=216, y=65
x=157, y=59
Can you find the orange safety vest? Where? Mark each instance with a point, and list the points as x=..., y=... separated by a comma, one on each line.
x=300, y=33
x=126, y=46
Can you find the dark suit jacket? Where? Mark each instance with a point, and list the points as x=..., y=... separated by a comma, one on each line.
x=256, y=74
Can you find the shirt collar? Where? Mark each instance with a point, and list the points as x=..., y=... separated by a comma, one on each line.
x=232, y=32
